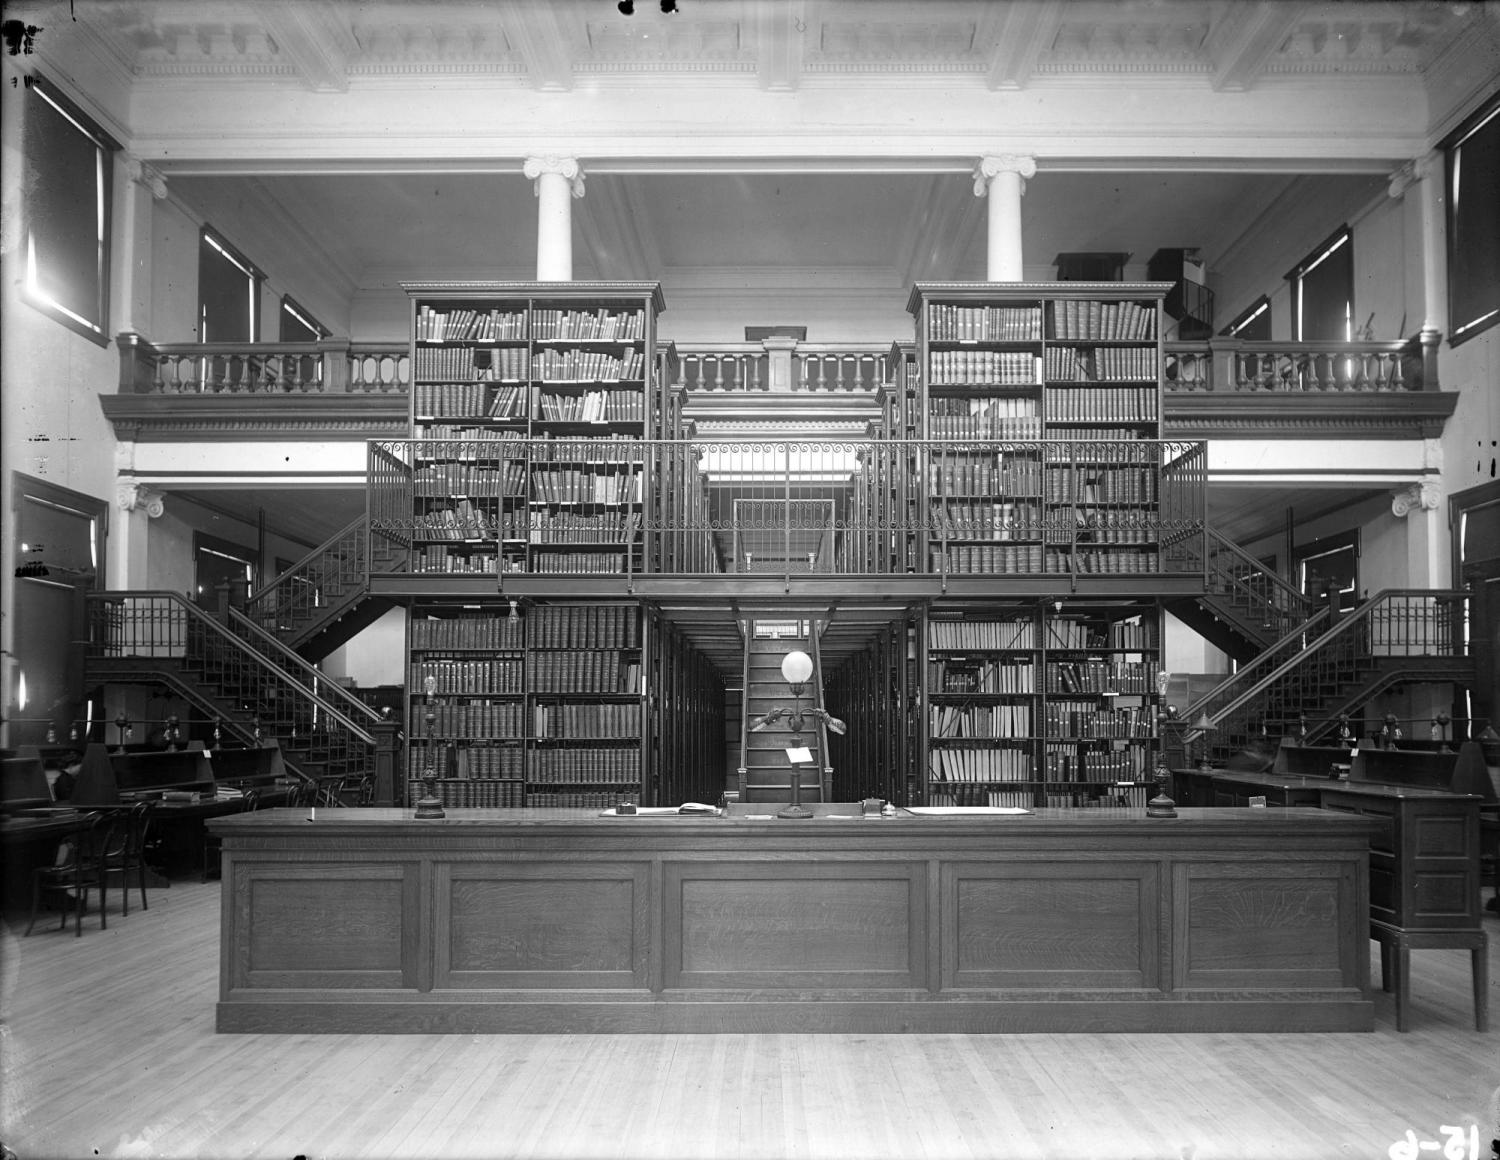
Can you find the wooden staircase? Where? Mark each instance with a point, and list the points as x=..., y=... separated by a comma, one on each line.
x=765, y=772
x=1245, y=607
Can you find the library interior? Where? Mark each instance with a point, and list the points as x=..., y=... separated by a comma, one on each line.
x=750, y=577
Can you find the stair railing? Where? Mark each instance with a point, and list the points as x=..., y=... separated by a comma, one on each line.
x=746, y=635
x=1276, y=688
x=1236, y=574
x=161, y=626
x=299, y=596
x=309, y=674
x=825, y=770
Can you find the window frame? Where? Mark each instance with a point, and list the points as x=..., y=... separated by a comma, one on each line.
x=1460, y=333
x=1328, y=546
x=1261, y=305
x=97, y=330
x=209, y=236
x=302, y=314
x=1341, y=237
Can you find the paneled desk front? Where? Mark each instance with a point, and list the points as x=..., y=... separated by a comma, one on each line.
x=562, y=920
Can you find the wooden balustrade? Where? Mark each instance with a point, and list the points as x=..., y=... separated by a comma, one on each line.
x=329, y=366
x=1237, y=365
x=772, y=365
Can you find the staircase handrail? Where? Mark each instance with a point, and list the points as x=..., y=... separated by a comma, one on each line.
x=1293, y=594
x=744, y=767
x=825, y=773
x=209, y=624
x=1357, y=617
x=271, y=599
x=291, y=659
x=353, y=527
x=1247, y=671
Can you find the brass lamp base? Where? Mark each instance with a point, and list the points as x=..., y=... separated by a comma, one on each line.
x=794, y=811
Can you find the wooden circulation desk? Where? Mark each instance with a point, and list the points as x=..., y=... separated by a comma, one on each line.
x=365, y=920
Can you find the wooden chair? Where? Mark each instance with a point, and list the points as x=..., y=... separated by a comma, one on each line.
x=125, y=855
x=78, y=867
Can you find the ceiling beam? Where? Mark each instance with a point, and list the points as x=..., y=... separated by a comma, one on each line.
x=316, y=40
x=1245, y=37
x=537, y=33
x=1015, y=35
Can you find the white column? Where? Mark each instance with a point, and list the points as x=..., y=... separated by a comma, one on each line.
x=555, y=181
x=1419, y=183
x=128, y=535
x=136, y=186
x=1003, y=179
x=1420, y=505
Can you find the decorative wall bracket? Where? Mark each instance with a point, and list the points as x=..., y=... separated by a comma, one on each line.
x=1427, y=495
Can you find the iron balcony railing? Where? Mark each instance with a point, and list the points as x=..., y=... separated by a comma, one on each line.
x=869, y=507
x=1257, y=594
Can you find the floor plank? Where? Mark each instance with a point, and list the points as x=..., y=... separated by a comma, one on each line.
x=107, y=1048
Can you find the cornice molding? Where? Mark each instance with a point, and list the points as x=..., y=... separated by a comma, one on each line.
x=1269, y=415
x=255, y=418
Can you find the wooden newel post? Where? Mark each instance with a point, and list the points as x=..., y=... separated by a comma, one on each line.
x=1225, y=375
x=137, y=364
x=385, y=762
x=335, y=356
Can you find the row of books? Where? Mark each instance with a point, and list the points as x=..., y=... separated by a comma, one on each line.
x=1084, y=719
x=471, y=442
x=1071, y=632
x=945, y=675
x=472, y=719
x=949, y=794
x=1095, y=562
x=1115, y=797
x=602, y=324
x=465, y=364
x=576, y=528
x=620, y=764
x=987, y=559
x=592, y=407
x=981, y=634
x=461, y=324
x=983, y=424
x=1076, y=318
x=476, y=631
x=950, y=323
x=990, y=763
x=578, y=563
x=991, y=406
x=980, y=720
x=566, y=719
x=1006, y=520
x=477, y=675
x=572, y=626
x=1113, y=526
x=447, y=759
x=460, y=479
x=1070, y=763
x=1106, y=364
x=1102, y=405
x=589, y=670
x=575, y=485
x=588, y=366
x=984, y=473
x=1098, y=484
x=581, y=800
x=437, y=558
x=451, y=400
x=469, y=795
x=467, y=520
x=988, y=367
x=1098, y=676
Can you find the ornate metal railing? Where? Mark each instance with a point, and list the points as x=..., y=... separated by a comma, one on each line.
x=1236, y=365
x=1261, y=596
x=330, y=366
x=161, y=636
x=1314, y=673
x=678, y=507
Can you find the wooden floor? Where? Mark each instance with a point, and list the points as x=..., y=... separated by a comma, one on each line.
x=109, y=1050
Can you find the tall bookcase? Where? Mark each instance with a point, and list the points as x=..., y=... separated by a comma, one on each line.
x=1066, y=379
x=1028, y=704
x=543, y=707
x=499, y=367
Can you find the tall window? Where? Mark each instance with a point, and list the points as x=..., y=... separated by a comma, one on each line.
x=1330, y=567
x=228, y=292
x=1472, y=157
x=69, y=166
x=1253, y=324
x=1323, y=291
x=298, y=324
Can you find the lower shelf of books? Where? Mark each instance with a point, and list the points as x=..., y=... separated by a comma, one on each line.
x=467, y=793
x=1029, y=794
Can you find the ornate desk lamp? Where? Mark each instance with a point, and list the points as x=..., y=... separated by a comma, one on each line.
x=1440, y=723
x=123, y=724
x=797, y=669
x=430, y=805
x=1204, y=727
x=1161, y=806
x=172, y=734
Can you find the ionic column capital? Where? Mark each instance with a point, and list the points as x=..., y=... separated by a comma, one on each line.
x=1415, y=170
x=131, y=496
x=987, y=168
x=1427, y=495
x=565, y=167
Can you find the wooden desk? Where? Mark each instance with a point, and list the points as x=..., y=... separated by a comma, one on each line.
x=1424, y=861
x=563, y=921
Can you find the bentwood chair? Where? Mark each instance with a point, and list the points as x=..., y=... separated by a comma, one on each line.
x=76, y=869
x=125, y=856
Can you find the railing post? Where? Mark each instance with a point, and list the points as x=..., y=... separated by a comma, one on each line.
x=137, y=364
x=1224, y=354
x=335, y=354
x=385, y=733
x=1430, y=338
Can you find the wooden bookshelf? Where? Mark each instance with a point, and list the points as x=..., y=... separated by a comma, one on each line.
x=1025, y=705
x=499, y=366
x=1034, y=395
